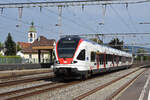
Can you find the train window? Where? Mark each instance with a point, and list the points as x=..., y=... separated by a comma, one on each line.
x=81, y=55
x=102, y=59
x=123, y=59
x=93, y=55
x=109, y=57
x=114, y=58
x=106, y=58
x=67, y=47
x=117, y=59
x=120, y=58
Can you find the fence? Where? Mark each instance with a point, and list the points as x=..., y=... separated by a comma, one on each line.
x=10, y=60
x=19, y=60
x=35, y=61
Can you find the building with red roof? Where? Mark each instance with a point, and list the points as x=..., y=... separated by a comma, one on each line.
x=38, y=51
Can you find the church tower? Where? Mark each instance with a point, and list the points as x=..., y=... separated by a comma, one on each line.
x=32, y=35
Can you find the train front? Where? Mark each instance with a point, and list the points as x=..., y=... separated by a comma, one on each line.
x=66, y=51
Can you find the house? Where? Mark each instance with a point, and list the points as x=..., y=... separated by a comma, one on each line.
x=22, y=45
x=36, y=50
x=40, y=51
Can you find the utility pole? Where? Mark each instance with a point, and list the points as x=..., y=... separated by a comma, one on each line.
x=20, y=10
x=60, y=20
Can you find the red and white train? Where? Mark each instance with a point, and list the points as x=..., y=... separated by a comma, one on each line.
x=78, y=57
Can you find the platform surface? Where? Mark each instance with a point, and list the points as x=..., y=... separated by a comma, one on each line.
x=139, y=89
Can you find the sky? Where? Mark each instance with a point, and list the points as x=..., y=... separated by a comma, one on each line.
x=76, y=20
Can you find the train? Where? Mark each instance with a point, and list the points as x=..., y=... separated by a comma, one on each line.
x=78, y=57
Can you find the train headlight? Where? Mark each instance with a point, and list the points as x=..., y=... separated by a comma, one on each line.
x=73, y=62
x=57, y=62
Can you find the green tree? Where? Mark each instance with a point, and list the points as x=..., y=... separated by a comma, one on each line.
x=1, y=45
x=18, y=47
x=10, y=46
x=141, y=50
x=140, y=53
x=96, y=40
x=116, y=43
x=126, y=49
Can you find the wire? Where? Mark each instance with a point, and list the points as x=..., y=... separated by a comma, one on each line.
x=124, y=22
x=20, y=35
x=81, y=20
x=24, y=22
x=71, y=20
x=131, y=20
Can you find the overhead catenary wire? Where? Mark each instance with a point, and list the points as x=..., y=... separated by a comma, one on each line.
x=24, y=22
x=70, y=3
x=17, y=29
x=121, y=18
x=76, y=22
x=40, y=26
x=71, y=20
x=131, y=19
x=56, y=14
x=81, y=20
x=89, y=17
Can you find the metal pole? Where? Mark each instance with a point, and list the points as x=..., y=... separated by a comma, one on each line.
x=60, y=20
x=20, y=9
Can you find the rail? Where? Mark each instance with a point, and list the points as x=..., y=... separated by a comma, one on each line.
x=82, y=96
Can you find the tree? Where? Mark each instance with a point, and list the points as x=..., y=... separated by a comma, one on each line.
x=116, y=43
x=141, y=50
x=10, y=46
x=1, y=45
x=96, y=40
x=18, y=48
x=141, y=57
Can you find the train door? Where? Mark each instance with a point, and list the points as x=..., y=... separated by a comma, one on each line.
x=93, y=58
x=113, y=60
x=104, y=60
x=97, y=60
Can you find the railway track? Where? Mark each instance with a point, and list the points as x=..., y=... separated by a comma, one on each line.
x=27, y=80
x=47, y=87
x=112, y=96
x=27, y=92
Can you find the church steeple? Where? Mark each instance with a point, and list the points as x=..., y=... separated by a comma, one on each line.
x=32, y=34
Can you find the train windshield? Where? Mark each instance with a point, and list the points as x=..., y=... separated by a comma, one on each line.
x=67, y=47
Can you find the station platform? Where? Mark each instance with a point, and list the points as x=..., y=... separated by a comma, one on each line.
x=14, y=73
x=139, y=89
